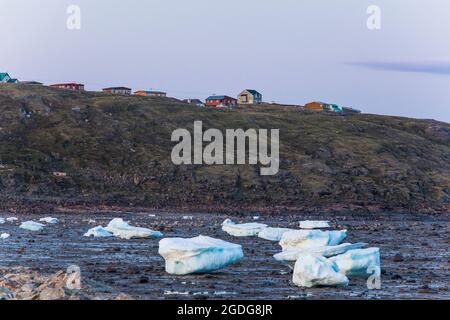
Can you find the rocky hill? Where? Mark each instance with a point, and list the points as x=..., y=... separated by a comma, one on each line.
x=115, y=150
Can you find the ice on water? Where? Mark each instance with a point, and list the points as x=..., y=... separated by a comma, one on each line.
x=312, y=270
x=328, y=251
x=273, y=234
x=302, y=239
x=359, y=263
x=121, y=229
x=242, y=230
x=198, y=255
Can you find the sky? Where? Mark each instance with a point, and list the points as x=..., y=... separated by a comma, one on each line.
x=292, y=51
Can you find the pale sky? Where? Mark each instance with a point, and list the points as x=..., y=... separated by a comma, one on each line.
x=292, y=51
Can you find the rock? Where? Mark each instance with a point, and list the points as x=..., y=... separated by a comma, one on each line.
x=51, y=294
x=242, y=230
x=398, y=257
x=198, y=255
x=311, y=271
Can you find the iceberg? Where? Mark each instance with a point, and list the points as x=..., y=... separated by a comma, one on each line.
x=273, y=234
x=242, y=230
x=123, y=230
x=314, y=224
x=359, y=263
x=301, y=239
x=198, y=255
x=2, y=221
x=12, y=219
x=98, y=232
x=32, y=226
x=4, y=236
x=311, y=271
x=329, y=251
x=49, y=220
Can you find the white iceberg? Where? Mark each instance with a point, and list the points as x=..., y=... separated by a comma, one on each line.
x=311, y=271
x=2, y=221
x=12, y=219
x=301, y=239
x=49, y=220
x=98, y=232
x=123, y=230
x=242, y=230
x=314, y=224
x=273, y=234
x=329, y=251
x=359, y=263
x=198, y=255
x=4, y=236
x=32, y=226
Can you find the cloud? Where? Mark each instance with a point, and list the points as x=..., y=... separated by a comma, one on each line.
x=438, y=68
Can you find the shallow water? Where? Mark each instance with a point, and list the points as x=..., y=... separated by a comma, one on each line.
x=134, y=266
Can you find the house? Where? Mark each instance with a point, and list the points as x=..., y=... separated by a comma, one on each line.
x=195, y=102
x=150, y=93
x=323, y=106
x=118, y=90
x=69, y=86
x=4, y=77
x=250, y=97
x=221, y=102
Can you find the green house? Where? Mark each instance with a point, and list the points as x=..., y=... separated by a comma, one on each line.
x=4, y=77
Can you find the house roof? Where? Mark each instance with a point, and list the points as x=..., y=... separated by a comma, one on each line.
x=219, y=98
x=66, y=84
x=3, y=75
x=13, y=80
x=117, y=88
x=253, y=92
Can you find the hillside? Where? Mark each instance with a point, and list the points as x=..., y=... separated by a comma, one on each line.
x=116, y=151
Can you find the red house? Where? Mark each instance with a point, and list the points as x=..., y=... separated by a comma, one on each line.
x=221, y=102
x=69, y=86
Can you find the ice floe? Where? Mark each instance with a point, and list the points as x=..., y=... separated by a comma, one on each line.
x=4, y=236
x=198, y=255
x=273, y=234
x=12, y=219
x=328, y=251
x=242, y=230
x=312, y=270
x=123, y=230
x=359, y=263
x=98, y=232
x=308, y=224
x=301, y=239
x=49, y=220
x=2, y=220
x=32, y=226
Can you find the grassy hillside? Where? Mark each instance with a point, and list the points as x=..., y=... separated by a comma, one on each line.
x=116, y=150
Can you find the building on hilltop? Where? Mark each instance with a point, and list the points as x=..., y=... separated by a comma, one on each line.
x=150, y=93
x=323, y=107
x=195, y=102
x=118, y=90
x=69, y=86
x=249, y=96
x=221, y=102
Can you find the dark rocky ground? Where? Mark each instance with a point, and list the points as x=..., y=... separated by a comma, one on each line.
x=415, y=257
